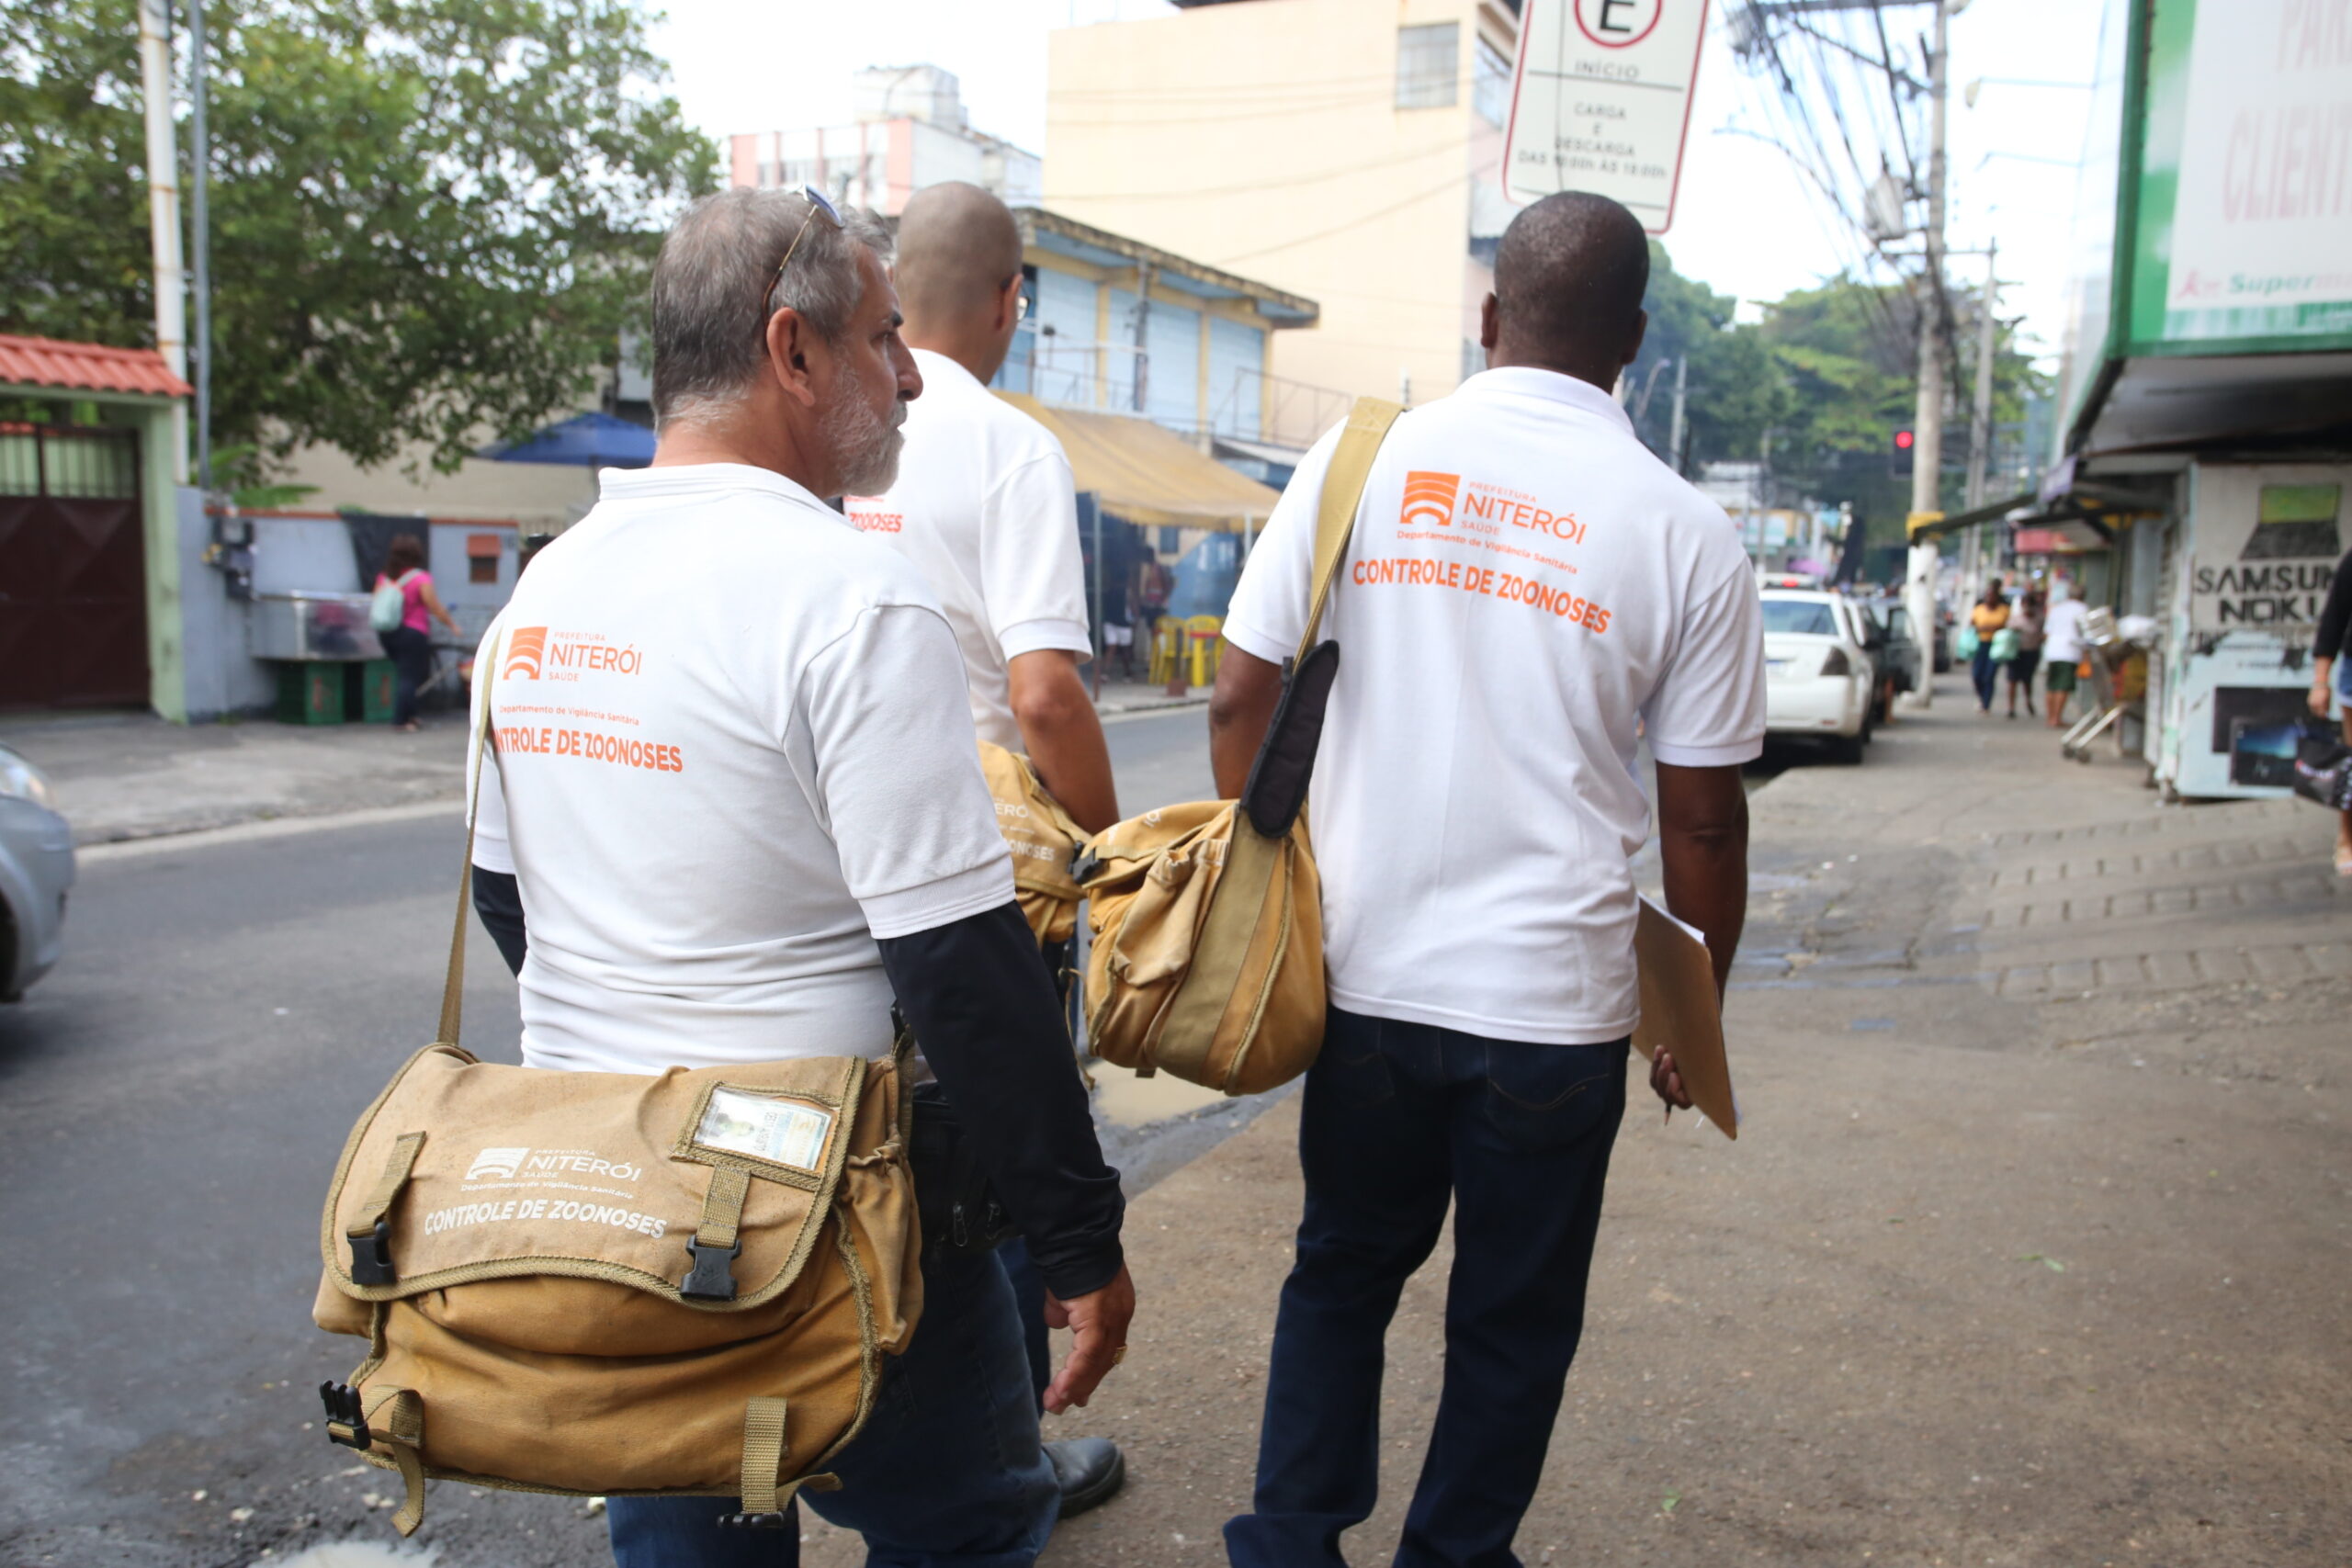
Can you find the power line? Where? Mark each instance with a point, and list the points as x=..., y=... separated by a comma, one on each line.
x=1359, y=222
x=1390, y=161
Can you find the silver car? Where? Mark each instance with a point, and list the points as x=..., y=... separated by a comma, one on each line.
x=36, y=870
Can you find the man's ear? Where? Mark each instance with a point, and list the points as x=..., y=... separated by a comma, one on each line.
x=788, y=341
x=1633, y=343
x=1489, y=328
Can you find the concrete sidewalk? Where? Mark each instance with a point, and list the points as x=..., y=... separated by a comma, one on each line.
x=2033, y=1251
x=133, y=776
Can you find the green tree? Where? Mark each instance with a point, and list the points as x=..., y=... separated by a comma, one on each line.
x=1734, y=394
x=431, y=217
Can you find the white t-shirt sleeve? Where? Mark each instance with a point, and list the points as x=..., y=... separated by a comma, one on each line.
x=1033, y=576
x=1267, y=614
x=898, y=773
x=1708, y=708
x=491, y=851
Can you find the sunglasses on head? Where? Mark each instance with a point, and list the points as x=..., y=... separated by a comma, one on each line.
x=818, y=207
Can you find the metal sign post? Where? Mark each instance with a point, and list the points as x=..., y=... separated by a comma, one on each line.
x=1601, y=101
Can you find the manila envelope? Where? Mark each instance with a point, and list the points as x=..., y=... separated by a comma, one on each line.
x=1679, y=1011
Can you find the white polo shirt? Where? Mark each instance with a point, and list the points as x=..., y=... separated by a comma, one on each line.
x=732, y=752
x=986, y=509
x=1527, y=590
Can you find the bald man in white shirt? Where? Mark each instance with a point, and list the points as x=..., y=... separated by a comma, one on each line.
x=985, y=507
x=1526, y=592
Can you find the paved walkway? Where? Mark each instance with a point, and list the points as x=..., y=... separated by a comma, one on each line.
x=2033, y=1252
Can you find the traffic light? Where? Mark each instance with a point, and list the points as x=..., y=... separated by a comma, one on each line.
x=1898, y=455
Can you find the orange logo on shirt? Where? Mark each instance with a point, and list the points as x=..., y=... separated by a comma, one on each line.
x=523, y=650
x=1428, y=498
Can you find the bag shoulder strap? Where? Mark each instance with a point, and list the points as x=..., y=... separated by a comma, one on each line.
x=453, y=987
x=1343, y=483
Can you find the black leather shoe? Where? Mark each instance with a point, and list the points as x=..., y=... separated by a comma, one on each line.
x=1089, y=1471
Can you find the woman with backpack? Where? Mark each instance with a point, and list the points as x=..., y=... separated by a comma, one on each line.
x=408, y=637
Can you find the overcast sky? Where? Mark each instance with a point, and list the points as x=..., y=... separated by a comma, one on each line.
x=1745, y=224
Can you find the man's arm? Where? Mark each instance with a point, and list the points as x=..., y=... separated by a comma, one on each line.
x=979, y=998
x=1702, y=844
x=1248, y=689
x=1063, y=735
x=498, y=900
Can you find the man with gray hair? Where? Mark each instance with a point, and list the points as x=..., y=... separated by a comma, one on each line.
x=737, y=771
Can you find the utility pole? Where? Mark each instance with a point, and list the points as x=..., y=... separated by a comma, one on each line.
x=200, y=161
x=1980, y=421
x=1143, y=336
x=163, y=213
x=1928, y=451
x=1682, y=391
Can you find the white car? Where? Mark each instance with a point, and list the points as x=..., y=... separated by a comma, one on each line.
x=1820, y=678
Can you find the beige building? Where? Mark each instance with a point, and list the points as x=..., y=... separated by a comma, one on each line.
x=1343, y=151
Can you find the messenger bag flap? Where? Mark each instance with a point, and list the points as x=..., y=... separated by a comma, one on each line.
x=705, y=1187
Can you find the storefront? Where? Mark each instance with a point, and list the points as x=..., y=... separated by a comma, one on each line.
x=2208, y=387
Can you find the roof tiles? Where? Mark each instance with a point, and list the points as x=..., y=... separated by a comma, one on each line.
x=86, y=368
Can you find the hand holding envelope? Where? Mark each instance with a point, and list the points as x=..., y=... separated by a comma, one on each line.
x=1681, y=1015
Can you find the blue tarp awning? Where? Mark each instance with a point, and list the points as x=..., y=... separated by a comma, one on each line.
x=588, y=440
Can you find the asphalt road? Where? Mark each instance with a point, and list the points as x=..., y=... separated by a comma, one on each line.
x=172, y=1099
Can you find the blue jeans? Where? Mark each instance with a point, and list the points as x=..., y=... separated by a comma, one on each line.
x=948, y=1470
x=1984, y=672
x=1397, y=1119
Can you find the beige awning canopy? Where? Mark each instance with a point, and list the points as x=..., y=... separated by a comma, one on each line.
x=1146, y=474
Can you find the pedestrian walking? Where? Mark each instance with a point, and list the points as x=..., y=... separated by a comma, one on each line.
x=1986, y=619
x=759, y=823
x=2332, y=657
x=1476, y=804
x=410, y=644
x=2063, y=644
x=986, y=509
x=2027, y=624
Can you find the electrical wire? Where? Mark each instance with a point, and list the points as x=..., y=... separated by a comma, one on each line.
x=1361, y=221
x=1389, y=161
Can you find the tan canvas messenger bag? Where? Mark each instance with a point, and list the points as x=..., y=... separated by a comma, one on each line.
x=1043, y=842
x=618, y=1284
x=1206, y=918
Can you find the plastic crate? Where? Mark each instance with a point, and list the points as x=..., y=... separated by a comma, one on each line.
x=310, y=692
x=369, y=690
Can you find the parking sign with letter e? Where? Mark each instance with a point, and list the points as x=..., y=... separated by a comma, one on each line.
x=1601, y=101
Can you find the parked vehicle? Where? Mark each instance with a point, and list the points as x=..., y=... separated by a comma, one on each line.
x=1887, y=627
x=36, y=870
x=1820, y=677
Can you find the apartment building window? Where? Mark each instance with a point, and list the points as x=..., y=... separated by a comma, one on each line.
x=1491, y=87
x=1428, y=65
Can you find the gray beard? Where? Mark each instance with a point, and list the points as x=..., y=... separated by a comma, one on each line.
x=866, y=446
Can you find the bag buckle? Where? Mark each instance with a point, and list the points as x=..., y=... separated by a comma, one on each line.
x=371, y=1257
x=775, y=1521
x=1084, y=864
x=710, y=1279
x=346, y=1422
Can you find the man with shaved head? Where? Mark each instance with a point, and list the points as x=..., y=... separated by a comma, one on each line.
x=985, y=508
x=1528, y=593
x=985, y=505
